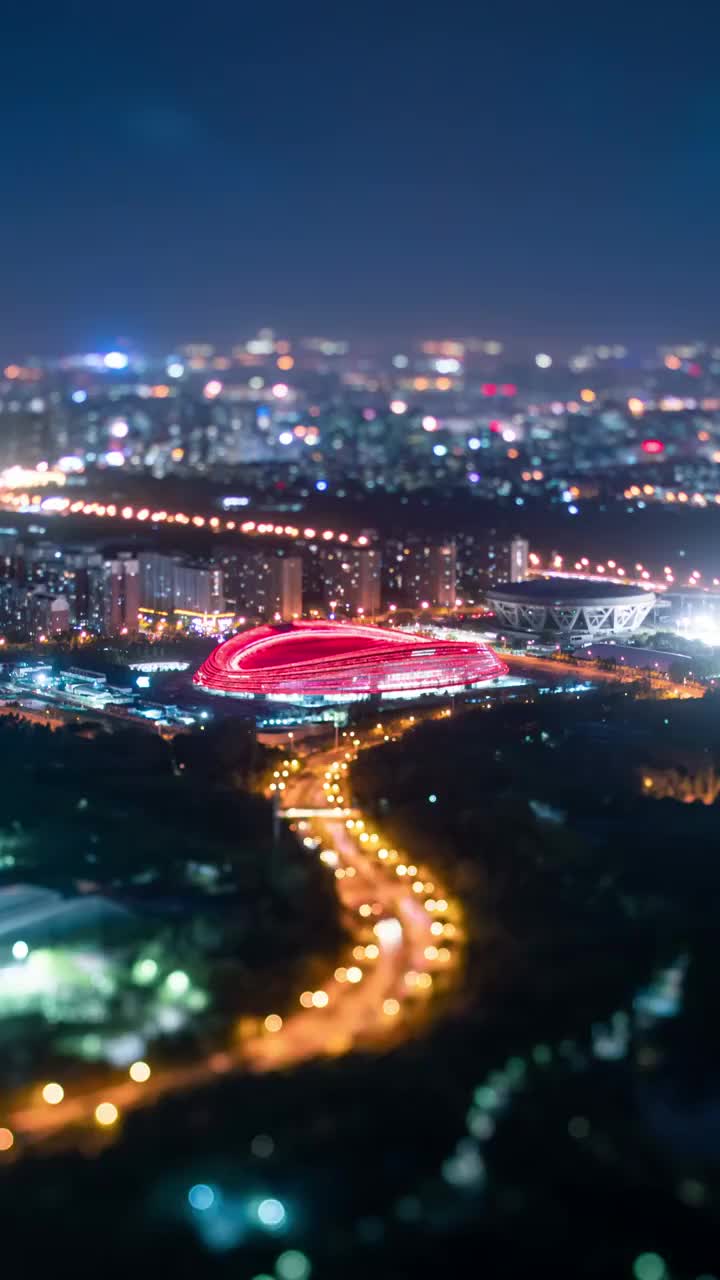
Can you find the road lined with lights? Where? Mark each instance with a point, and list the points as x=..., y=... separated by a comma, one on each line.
x=21, y=490
x=404, y=935
x=590, y=670
x=16, y=495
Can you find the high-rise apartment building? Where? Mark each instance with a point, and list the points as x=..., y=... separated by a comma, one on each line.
x=429, y=574
x=169, y=584
x=121, y=596
x=351, y=580
x=510, y=557
x=286, y=587
x=260, y=584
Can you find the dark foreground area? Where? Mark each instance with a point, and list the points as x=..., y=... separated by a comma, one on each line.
x=562, y=1116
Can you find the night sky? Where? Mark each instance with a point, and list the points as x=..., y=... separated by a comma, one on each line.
x=177, y=172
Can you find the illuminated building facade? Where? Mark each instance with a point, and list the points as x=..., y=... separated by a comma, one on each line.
x=351, y=580
x=429, y=574
x=327, y=662
x=121, y=596
x=260, y=584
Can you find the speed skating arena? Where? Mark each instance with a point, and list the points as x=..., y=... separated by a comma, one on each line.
x=334, y=662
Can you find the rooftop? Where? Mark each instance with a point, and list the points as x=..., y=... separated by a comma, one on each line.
x=565, y=590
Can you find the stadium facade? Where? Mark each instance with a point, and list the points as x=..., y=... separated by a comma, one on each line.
x=334, y=663
x=570, y=610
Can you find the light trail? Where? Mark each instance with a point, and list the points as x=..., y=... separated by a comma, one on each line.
x=60, y=504
x=400, y=926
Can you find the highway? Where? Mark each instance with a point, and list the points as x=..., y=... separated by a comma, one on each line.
x=398, y=925
x=525, y=664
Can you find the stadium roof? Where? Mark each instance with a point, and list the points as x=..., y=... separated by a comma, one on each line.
x=341, y=661
x=567, y=590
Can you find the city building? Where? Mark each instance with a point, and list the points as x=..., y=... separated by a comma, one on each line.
x=173, y=585
x=286, y=587
x=351, y=580
x=121, y=596
x=429, y=575
x=260, y=584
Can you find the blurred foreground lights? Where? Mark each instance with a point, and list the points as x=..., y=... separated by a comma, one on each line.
x=466, y=1167
x=6, y=1139
x=354, y=974
x=140, y=1072
x=201, y=1197
x=320, y=999
x=262, y=1146
x=20, y=950
x=649, y=1266
x=106, y=1113
x=271, y=1213
x=273, y=1022
x=177, y=982
x=391, y=1007
x=306, y=999
x=543, y=361
x=144, y=971
x=293, y=1265
x=53, y=1093
x=579, y=1127
x=388, y=932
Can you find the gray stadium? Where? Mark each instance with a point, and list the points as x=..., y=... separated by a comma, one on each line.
x=570, y=610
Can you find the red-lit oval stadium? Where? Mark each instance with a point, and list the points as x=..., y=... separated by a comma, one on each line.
x=338, y=662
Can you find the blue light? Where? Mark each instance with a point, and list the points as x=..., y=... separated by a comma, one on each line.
x=285, y=437
x=79, y=396
x=271, y=1213
x=116, y=360
x=473, y=477
x=143, y=682
x=573, y=509
x=321, y=485
x=432, y=798
x=439, y=450
x=201, y=1197
x=474, y=443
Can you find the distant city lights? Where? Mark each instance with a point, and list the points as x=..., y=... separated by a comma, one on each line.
x=116, y=360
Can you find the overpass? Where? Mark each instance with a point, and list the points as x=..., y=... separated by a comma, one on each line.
x=293, y=812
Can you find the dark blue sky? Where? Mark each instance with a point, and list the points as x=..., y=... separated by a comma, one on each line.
x=170, y=172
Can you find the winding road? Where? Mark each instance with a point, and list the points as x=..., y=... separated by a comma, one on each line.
x=399, y=928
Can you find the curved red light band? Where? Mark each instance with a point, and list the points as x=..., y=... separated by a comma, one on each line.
x=337, y=659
